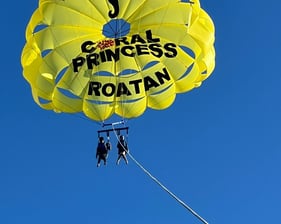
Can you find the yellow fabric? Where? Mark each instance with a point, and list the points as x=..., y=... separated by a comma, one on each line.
x=80, y=58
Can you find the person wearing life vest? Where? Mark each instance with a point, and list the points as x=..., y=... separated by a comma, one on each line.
x=102, y=151
x=122, y=149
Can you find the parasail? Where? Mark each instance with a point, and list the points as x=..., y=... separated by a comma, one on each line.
x=119, y=57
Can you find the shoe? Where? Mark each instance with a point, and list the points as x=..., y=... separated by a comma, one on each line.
x=98, y=165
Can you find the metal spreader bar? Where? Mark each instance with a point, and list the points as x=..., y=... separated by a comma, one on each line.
x=118, y=130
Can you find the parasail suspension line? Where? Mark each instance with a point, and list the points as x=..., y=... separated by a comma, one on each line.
x=158, y=182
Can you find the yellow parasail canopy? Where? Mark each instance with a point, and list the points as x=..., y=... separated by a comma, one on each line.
x=119, y=57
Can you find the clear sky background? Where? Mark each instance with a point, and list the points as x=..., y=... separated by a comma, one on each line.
x=217, y=148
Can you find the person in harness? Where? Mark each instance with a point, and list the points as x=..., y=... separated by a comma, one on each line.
x=102, y=151
x=122, y=149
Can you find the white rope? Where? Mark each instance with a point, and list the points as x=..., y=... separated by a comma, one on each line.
x=160, y=184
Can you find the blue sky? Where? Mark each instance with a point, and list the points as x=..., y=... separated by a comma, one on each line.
x=217, y=148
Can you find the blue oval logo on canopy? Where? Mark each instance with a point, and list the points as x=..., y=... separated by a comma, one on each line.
x=116, y=28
